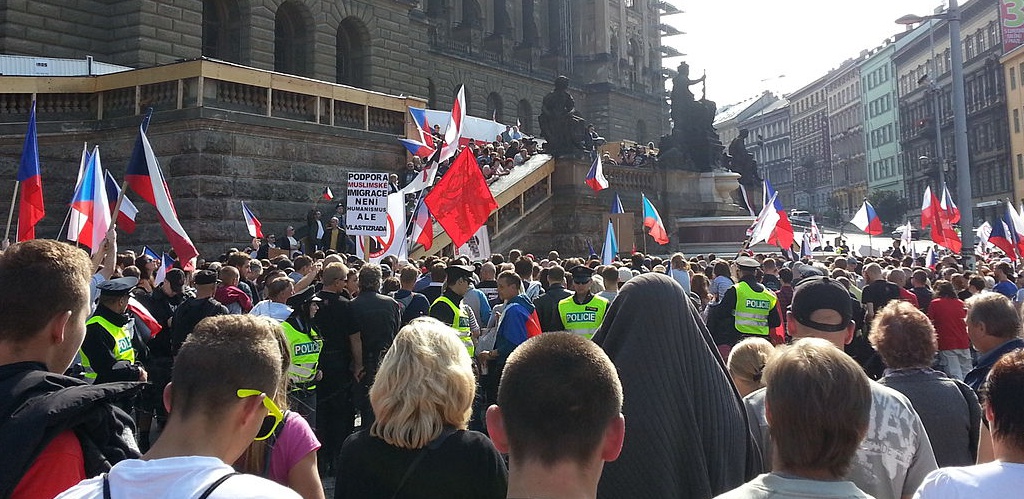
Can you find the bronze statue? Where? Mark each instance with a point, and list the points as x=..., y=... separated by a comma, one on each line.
x=742, y=161
x=563, y=129
x=694, y=143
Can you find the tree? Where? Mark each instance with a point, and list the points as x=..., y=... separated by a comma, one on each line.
x=890, y=206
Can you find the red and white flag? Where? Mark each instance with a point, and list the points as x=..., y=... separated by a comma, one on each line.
x=328, y=195
x=254, y=225
x=145, y=178
x=453, y=133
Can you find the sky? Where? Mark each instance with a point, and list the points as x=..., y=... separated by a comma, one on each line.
x=746, y=45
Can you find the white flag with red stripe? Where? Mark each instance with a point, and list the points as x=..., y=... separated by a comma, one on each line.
x=453, y=133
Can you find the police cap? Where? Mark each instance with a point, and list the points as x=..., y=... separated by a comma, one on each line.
x=307, y=295
x=581, y=274
x=118, y=287
x=745, y=262
x=456, y=272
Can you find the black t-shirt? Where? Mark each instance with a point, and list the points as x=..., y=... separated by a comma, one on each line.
x=335, y=322
x=772, y=282
x=880, y=293
x=188, y=314
x=465, y=465
x=378, y=318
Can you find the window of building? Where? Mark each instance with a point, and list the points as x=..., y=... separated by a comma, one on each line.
x=1020, y=166
x=293, y=39
x=1013, y=79
x=1016, y=121
x=353, y=53
x=222, y=30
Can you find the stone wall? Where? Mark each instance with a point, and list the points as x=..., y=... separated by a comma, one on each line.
x=212, y=160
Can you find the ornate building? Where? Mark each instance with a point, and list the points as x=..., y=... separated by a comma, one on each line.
x=506, y=53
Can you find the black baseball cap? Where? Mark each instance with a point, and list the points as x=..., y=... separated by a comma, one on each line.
x=822, y=293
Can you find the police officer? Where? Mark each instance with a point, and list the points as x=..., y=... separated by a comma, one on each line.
x=746, y=309
x=109, y=350
x=305, y=345
x=449, y=308
x=582, y=313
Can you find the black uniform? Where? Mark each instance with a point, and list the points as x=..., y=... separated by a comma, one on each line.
x=335, y=409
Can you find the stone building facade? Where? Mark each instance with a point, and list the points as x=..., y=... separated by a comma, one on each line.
x=846, y=138
x=506, y=53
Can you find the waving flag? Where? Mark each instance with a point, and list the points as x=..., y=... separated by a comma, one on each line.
x=90, y=212
x=417, y=148
x=461, y=201
x=166, y=263
x=815, y=235
x=984, y=231
x=806, y=248
x=948, y=207
x=453, y=133
x=327, y=194
x=611, y=246
x=126, y=216
x=929, y=209
x=422, y=226
x=146, y=250
x=907, y=235
x=867, y=220
x=254, y=225
x=30, y=206
x=595, y=177
x=1000, y=238
x=146, y=179
x=419, y=116
x=1015, y=225
x=617, y=205
x=652, y=220
x=782, y=236
x=764, y=224
x=145, y=317
x=426, y=177
x=931, y=259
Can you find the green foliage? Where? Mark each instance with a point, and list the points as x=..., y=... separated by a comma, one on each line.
x=890, y=206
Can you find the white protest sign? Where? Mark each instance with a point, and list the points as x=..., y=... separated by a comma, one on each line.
x=366, y=204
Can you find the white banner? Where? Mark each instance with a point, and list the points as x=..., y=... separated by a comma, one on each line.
x=366, y=204
x=478, y=247
x=392, y=243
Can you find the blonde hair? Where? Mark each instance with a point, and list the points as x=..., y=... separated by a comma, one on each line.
x=424, y=383
x=748, y=358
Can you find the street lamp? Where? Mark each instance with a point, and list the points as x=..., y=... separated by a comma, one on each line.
x=963, y=168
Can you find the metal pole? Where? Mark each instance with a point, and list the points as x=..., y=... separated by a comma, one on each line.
x=933, y=87
x=10, y=213
x=963, y=167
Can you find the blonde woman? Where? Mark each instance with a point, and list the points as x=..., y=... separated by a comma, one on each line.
x=746, y=364
x=419, y=446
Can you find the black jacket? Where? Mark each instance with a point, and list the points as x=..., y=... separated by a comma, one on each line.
x=37, y=405
x=547, y=308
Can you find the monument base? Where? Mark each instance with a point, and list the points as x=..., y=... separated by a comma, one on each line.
x=723, y=236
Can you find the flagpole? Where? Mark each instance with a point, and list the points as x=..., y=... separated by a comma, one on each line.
x=10, y=213
x=117, y=204
x=64, y=224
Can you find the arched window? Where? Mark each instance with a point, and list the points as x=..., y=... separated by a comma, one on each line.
x=557, y=28
x=353, y=51
x=293, y=39
x=641, y=131
x=472, y=14
x=495, y=107
x=431, y=94
x=524, y=112
x=222, y=30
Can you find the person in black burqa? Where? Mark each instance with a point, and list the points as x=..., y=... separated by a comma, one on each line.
x=54, y=430
x=686, y=434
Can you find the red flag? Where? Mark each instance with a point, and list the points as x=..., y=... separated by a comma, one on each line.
x=328, y=195
x=461, y=200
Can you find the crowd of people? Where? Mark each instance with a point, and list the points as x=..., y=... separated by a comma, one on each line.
x=259, y=375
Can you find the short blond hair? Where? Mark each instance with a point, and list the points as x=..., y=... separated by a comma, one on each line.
x=424, y=383
x=748, y=358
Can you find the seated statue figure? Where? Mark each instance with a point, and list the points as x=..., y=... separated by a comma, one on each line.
x=560, y=125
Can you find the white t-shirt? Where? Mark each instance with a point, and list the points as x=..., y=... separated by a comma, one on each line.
x=991, y=480
x=176, y=477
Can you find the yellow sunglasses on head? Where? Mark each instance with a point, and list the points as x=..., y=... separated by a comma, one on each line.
x=274, y=417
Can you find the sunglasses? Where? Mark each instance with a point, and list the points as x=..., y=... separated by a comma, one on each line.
x=274, y=417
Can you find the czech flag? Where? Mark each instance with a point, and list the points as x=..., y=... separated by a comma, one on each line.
x=453, y=133
x=764, y=224
x=423, y=226
x=327, y=194
x=417, y=148
x=653, y=221
x=146, y=179
x=30, y=205
x=1000, y=238
x=90, y=212
x=782, y=236
x=422, y=126
x=611, y=246
x=1015, y=226
x=595, y=177
x=931, y=259
x=150, y=253
x=166, y=263
x=254, y=225
x=126, y=215
x=867, y=220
